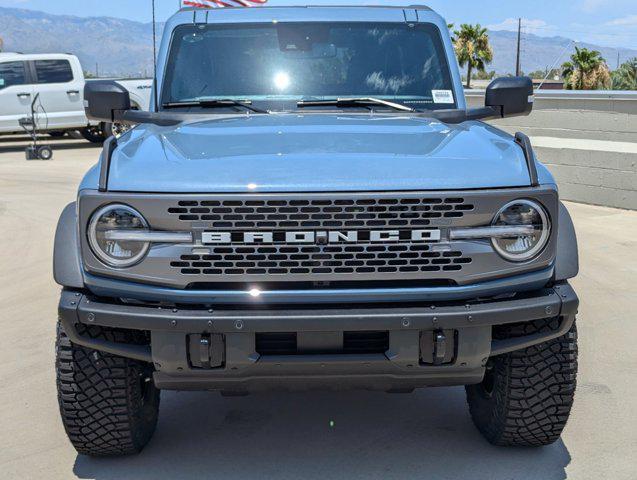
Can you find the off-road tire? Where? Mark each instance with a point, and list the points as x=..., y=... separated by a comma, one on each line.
x=526, y=396
x=109, y=404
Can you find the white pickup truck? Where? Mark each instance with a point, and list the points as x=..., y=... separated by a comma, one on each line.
x=59, y=81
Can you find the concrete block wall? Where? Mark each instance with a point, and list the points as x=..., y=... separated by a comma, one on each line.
x=592, y=171
x=587, y=139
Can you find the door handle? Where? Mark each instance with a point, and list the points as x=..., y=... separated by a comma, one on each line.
x=24, y=94
x=73, y=92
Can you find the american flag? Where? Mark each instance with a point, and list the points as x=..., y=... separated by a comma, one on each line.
x=222, y=3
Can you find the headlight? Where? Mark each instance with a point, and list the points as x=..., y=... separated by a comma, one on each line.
x=527, y=244
x=106, y=239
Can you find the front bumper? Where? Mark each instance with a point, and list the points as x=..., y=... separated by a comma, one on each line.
x=243, y=369
x=108, y=287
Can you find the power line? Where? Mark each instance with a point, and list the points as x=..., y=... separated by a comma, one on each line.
x=556, y=62
x=588, y=31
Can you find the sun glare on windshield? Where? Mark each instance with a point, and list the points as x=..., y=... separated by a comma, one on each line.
x=282, y=81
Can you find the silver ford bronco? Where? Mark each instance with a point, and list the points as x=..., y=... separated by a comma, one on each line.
x=309, y=203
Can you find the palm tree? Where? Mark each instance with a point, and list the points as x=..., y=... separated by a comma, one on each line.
x=587, y=70
x=625, y=78
x=472, y=48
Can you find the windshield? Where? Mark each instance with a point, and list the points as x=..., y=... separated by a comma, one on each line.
x=277, y=65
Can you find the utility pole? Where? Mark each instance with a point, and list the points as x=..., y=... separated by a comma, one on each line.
x=154, y=57
x=97, y=70
x=518, y=70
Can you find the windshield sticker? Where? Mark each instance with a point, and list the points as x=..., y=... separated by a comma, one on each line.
x=442, y=96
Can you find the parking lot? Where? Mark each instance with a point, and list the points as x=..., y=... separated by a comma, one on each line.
x=427, y=434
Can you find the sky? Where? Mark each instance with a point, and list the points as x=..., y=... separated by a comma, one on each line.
x=604, y=22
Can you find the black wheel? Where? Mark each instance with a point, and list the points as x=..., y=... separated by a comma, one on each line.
x=45, y=153
x=57, y=134
x=109, y=404
x=526, y=396
x=94, y=134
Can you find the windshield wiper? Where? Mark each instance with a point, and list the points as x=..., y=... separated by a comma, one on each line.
x=354, y=102
x=226, y=102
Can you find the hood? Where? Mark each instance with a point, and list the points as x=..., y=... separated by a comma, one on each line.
x=316, y=153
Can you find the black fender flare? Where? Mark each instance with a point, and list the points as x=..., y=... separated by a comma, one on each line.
x=567, y=261
x=67, y=267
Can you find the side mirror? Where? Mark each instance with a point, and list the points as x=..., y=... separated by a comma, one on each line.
x=511, y=96
x=104, y=100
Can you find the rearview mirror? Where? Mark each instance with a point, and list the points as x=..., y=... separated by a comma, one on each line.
x=510, y=96
x=104, y=100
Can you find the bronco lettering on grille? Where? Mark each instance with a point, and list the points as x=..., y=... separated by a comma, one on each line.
x=320, y=237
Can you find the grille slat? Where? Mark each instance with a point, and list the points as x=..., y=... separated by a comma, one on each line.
x=320, y=260
x=375, y=213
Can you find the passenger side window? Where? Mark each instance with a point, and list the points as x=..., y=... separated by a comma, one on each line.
x=53, y=71
x=12, y=73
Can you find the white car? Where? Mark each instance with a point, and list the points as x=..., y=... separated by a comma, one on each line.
x=59, y=81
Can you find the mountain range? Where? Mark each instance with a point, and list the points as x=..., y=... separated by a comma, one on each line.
x=119, y=47
x=113, y=46
x=541, y=53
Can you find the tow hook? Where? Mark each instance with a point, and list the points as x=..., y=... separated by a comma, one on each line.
x=440, y=347
x=207, y=351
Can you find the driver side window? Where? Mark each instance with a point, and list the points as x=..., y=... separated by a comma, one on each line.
x=12, y=73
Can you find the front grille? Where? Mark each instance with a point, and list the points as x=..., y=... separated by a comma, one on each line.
x=351, y=257
x=321, y=260
x=373, y=213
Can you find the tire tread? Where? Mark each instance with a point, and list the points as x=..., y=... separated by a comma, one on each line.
x=100, y=398
x=533, y=392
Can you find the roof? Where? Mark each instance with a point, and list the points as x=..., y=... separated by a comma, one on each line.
x=397, y=5
x=307, y=13
x=34, y=56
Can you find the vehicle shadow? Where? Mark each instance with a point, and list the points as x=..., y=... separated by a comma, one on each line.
x=427, y=434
